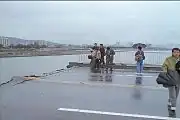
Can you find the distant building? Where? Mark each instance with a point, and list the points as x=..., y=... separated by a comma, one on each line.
x=7, y=41
x=4, y=41
x=41, y=42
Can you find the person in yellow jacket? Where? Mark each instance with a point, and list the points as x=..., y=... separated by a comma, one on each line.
x=169, y=64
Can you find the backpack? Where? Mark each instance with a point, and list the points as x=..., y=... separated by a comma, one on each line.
x=143, y=57
x=177, y=67
x=138, y=58
x=112, y=52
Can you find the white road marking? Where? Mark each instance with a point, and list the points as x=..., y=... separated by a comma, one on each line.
x=100, y=84
x=116, y=114
x=143, y=76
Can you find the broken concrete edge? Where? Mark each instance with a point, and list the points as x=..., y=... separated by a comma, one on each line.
x=147, y=67
x=27, y=78
x=31, y=78
x=34, y=77
x=21, y=79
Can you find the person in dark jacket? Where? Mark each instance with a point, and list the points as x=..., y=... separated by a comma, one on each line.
x=169, y=67
x=102, y=50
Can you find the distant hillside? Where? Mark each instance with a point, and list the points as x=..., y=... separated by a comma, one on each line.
x=15, y=41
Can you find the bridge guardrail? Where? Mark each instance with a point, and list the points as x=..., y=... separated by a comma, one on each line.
x=127, y=57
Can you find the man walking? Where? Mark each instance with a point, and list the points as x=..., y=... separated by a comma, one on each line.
x=169, y=65
x=139, y=57
x=109, y=57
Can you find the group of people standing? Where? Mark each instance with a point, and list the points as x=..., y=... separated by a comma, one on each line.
x=98, y=53
x=169, y=78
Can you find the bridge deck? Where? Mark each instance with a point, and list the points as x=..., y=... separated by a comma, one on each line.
x=124, y=95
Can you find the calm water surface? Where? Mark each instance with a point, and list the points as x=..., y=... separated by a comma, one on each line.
x=32, y=65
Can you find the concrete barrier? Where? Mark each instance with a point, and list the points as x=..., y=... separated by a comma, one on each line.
x=121, y=66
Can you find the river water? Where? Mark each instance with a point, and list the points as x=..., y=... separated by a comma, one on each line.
x=32, y=65
x=19, y=66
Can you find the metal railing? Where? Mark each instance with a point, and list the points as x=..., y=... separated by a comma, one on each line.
x=127, y=57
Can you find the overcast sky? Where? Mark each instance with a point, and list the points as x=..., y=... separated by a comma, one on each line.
x=88, y=22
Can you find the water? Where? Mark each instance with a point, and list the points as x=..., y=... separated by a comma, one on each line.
x=20, y=66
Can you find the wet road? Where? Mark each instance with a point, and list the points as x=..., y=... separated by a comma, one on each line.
x=80, y=89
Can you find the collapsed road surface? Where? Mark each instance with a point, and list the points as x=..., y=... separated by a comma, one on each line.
x=80, y=94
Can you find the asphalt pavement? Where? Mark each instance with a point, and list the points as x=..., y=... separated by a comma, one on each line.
x=80, y=94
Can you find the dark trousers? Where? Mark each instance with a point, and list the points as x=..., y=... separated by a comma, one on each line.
x=109, y=62
x=95, y=63
x=102, y=60
x=98, y=62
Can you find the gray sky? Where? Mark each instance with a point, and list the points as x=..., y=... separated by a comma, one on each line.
x=88, y=22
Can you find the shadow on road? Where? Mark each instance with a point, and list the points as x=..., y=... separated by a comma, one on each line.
x=137, y=91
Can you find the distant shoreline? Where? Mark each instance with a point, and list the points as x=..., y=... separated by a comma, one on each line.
x=26, y=53
x=44, y=53
x=11, y=56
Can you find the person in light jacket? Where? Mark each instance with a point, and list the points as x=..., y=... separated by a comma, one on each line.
x=96, y=56
x=169, y=66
